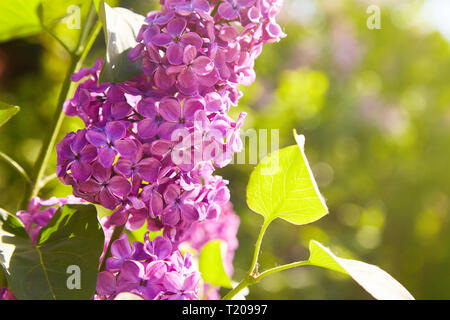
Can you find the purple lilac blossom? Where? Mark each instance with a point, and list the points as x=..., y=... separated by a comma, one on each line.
x=150, y=269
x=151, y=144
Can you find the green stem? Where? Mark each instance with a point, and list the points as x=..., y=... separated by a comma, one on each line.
x=281, y=268
x=250, y=280
x=76, y=61
x=254, y=266
x=16, y=166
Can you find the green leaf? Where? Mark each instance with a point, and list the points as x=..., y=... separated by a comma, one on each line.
x=73, y=237
x=283, y=186
x=121, y=27
x=64, y=19
x=7, y=112
x=211, y=264
x=18, y=19
x=374, y=280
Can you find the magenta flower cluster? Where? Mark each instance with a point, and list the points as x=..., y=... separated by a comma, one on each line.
x=150, y=269
x=151, y=144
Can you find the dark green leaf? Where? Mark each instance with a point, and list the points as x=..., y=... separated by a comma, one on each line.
x=73, y=237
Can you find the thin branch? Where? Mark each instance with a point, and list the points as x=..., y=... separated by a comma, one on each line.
x=16, y=166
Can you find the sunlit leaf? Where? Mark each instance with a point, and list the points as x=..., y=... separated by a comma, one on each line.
x=283, y=186
x=211, y=264
x=374, y=280
x=18, y=19
x=6, y=112
x=121, y=27
x=73, y=237
x=64, y=19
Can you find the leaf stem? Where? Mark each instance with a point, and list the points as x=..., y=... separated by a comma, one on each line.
x=281, y=268
x=76, y=61
x=254, y=266
x=16, y=166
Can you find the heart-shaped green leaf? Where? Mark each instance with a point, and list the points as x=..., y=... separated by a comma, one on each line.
x=283, y=186
x=374, y=280
x=72, y=240
x=211, y=264
x=7, y=112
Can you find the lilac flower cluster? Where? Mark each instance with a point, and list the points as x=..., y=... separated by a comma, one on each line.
x=150, y=269
x=151, y=144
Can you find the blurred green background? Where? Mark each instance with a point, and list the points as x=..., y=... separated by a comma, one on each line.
x=374, y=106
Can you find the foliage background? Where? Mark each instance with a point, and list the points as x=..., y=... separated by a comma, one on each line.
x=375, y=108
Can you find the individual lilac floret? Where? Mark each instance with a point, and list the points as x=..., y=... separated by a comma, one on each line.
x=39, y=213
x=152, y=270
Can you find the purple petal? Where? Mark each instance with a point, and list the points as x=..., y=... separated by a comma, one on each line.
x=170, y=109
x=106, y=283
x=96, y=137
x=119, y=186
x=193, y=39
x=123, y=167
x=106, y=156
x=100, y=173
x=81, y=171
x=172, y=193
x=160, y=147
x=127, y=148
x=155, y=271
x=191, y=282
x=191, y=106
x=189, y=213
x=174, y=54
x=173, y=282
x=176, y=26
x=121, y=248
x=202, y=65
x=147, y=108
x=171, y=215
x=155, y=204
x=190, y=52
x=107, y=200
x=88, y=153
x=187, y=80
x=148, y=169
x=162, y=39
x=120, y=110
x=162, y=80
x=162, y=247
x=115, y=130
x=227, y=11
x=147, y=128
